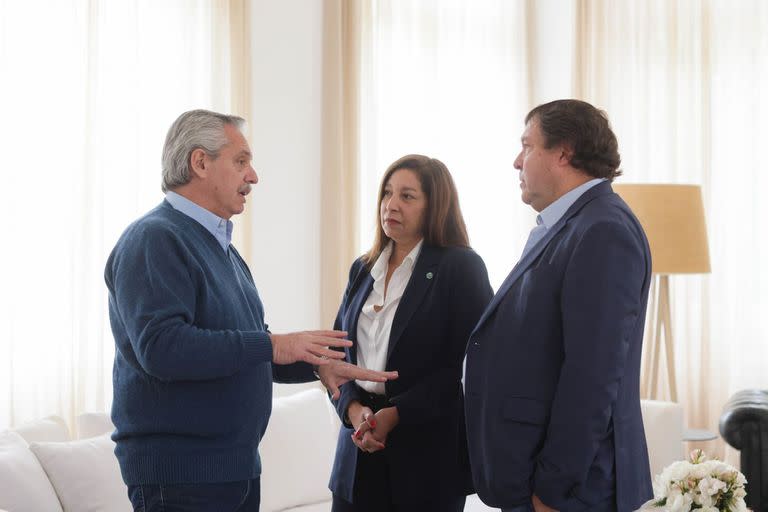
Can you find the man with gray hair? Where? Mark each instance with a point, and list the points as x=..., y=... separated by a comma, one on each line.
x=194, y=359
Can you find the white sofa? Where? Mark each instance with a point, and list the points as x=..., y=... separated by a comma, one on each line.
x=44, y=468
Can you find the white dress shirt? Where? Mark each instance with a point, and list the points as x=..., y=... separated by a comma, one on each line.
x=373, y=327
x=220, y=228
x=554, y=212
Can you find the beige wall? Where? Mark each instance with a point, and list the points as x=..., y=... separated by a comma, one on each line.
x=286, y=137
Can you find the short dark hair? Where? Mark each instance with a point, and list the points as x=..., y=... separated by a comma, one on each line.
x=443, y=222
x=585, y=130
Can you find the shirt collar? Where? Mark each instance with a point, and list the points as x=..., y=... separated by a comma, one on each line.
x=220, y=228
x=554, y=212
x=379, y=268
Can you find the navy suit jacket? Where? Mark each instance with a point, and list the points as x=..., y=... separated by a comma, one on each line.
x=553, y=367
x=426, y=451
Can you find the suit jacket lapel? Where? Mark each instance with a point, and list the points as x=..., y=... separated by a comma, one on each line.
x=522, y=265
x=517, y=271
x=422, y=277
x=355, y=308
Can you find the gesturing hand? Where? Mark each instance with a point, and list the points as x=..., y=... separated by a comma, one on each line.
x=336, y=373
x=308, y=346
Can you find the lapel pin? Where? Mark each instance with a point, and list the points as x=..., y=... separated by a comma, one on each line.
x=430, y=275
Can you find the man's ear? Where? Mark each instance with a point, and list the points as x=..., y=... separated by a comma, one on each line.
x=198, y=164
x=566, y=155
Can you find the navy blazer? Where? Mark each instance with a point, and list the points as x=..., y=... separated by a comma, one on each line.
x=553, y=367
x=426, y=451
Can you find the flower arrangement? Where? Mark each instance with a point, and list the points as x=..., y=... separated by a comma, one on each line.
x=701, y=485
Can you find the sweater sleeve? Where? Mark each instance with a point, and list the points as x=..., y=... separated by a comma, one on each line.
x=295, y=373
x=152, y=296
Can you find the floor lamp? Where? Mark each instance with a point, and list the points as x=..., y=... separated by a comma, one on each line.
x=673, y=219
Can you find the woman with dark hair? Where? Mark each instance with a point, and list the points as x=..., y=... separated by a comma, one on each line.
x=410, y=305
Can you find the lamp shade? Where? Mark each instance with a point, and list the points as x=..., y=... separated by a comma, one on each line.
x=673, y=219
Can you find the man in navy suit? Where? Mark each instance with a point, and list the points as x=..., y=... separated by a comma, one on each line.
x=553, y=366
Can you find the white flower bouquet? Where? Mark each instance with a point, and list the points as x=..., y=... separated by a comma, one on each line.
x=701, y=485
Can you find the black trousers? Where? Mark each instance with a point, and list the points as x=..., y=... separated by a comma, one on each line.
x=373, y=491
x=447, y=505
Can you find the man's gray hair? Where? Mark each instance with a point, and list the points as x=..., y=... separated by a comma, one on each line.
x=196, y=129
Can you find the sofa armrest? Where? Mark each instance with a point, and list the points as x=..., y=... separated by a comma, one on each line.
x=744, y=425
x=663, y=423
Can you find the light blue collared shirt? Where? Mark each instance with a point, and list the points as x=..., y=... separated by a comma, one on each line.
x=549, y=216
x=220, y=228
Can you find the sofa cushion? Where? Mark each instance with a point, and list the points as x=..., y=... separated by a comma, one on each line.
x=50, y=428
x=92, y=424
x=297, y=451
x=474, y=504
x=85, y=474
x=315, y=507
x=23, y=484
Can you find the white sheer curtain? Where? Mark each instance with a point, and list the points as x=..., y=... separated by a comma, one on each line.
x=738, y=208
x=88, y=91
x=648, y=66
x=738, y=181
x=683, y=83
x=447, y=79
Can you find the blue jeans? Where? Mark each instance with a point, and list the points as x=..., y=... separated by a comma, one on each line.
x=242, y=496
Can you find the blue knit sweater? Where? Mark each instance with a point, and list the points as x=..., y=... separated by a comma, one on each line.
x=192, y=373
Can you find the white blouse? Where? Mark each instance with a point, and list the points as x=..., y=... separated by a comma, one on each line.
x=373, y=327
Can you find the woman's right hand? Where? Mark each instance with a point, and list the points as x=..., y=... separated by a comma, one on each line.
x=358, y=415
